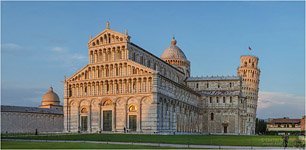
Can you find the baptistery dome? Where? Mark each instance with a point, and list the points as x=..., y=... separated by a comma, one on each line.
x=49, y=99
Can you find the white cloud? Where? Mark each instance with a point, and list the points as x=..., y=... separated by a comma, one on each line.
x=66, y=57
x=78, y=57
x=58, y=49
x=278, y=104
x=10, y=46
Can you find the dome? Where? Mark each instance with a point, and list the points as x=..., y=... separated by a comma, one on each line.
x=173, y=52
x=50, y=96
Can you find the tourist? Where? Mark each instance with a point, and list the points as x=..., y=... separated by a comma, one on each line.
x=285, y=139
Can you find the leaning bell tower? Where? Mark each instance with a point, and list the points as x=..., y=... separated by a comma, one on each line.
x=249, y=72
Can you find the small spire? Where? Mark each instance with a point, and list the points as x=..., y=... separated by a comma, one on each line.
x=126, y=32
x=107, y=25
x=173, y=41
x=90, y=37
x=51, y=88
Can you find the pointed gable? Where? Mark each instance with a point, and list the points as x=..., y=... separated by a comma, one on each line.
x=108, y=36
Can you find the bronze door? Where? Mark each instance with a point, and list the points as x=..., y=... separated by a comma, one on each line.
x=107, y=120
x=132, y=122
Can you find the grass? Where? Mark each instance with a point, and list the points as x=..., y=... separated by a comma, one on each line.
x=70, y=145
x=222, y=140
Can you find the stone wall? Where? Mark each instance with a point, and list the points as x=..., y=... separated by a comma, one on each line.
x=224, y=106
x=18, y=122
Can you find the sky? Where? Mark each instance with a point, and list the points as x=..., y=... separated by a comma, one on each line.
x=41, y=42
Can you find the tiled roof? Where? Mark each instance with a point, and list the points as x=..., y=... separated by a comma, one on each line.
x=284, y=120
x=213, y=78
x=5, y=108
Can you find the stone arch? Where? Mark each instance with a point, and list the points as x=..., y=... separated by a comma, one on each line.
x=84, y=101
x=131, y=100
x=95, y=102
x=73, y=103
x=106, y=100
x=145, y=100
x=119, y=101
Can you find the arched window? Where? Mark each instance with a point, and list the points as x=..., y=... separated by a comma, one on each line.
x=70, y=92
x=217, y=99
x=141, y=59
x=107, y=87
x=197, y=85
x=230, y=84
x=134, y=57
x=231, y=99
x=109, y=38
x=149, y=63
x=223, y=99
x=210, y=99
x=134, y=86
x=245, y=64
x=134, y=70
x=85, y=90
x=212, y=116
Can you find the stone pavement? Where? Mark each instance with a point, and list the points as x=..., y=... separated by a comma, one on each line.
x=157, y=144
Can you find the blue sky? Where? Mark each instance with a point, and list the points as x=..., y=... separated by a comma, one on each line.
x=43, y=41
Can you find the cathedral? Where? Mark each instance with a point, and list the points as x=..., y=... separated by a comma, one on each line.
x=125, y=88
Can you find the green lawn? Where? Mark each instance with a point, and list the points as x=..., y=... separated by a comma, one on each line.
x=222, y=140
x=59, y=145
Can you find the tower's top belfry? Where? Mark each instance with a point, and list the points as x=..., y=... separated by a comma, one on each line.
x=249, y=61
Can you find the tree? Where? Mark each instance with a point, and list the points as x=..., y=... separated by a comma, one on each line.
x=261, y=126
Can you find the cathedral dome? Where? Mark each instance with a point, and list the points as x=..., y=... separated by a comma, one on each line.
x=173, y=52
x=50, y=96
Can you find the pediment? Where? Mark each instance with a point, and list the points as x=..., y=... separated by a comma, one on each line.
x=108, y=36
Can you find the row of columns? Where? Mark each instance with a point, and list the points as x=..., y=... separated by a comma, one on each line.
x=111, y=70
x=126, y=86
x=174, y=117
x=106, y=39
x=107, y=55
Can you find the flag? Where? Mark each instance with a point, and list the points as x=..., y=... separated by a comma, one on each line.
x=250, y=48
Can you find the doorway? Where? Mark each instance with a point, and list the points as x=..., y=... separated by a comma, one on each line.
x=84, y=123
x=107, y=120
x=132, y=122
x=225, y=129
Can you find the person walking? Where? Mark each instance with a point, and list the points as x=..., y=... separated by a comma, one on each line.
x=285, y=140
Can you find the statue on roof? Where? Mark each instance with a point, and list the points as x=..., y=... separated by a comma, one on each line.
x=107, y=25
